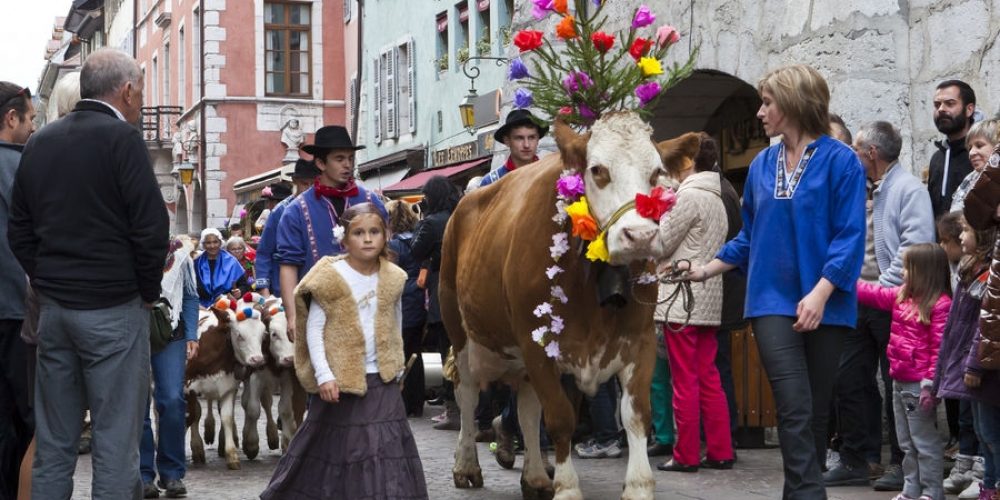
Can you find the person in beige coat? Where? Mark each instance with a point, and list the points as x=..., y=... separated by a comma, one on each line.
x=691, y=233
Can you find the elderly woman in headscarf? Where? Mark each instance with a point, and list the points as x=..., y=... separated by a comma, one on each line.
x=218, y=272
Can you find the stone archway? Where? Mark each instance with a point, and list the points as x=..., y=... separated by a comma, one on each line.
x=722, y=105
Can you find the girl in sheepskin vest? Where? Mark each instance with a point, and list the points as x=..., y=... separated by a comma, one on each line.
x=355, y=442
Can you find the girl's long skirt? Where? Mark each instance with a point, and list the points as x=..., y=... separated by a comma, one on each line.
x=360, y=448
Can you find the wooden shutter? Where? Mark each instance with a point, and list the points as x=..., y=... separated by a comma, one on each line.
x=352, y=98
x=391, y=95
x=412, y=76
x=377, y=98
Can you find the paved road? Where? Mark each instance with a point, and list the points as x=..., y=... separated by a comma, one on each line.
x=757, y=475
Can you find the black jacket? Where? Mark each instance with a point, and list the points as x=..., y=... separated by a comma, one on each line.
x=88, y=223
x=427, y=243
x=959, y=166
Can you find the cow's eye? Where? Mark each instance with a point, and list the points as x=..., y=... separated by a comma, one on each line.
x=654, y=178
x=601, y=175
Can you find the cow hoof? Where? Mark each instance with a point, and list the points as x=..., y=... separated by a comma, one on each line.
x=573, y=494
x=251, y=450
x=272, y=438
x=209, y=432
x=233, y=465
x=198, y=456
x=529, y=492
x=472, y=479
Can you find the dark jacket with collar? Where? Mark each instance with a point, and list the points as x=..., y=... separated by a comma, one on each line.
x=959, y=166
x=88, y=223
x=13, y=285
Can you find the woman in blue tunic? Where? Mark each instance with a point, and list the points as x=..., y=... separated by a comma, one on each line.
x=218, y=272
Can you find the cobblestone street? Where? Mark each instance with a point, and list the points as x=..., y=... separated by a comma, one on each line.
x=757, y=475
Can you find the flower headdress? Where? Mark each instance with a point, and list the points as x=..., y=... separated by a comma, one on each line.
x=596, y=72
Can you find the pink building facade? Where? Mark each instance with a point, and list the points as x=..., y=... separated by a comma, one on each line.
x=233, y=88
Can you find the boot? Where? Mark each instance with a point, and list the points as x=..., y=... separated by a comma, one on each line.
x=451, y=420
x=505, y=445
x=961, y=475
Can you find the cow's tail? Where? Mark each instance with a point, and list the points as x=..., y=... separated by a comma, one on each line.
x=447, y=278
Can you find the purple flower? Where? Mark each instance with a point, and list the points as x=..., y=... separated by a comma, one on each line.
x=552, y=349
x=542, y=309
x=551, y=272
x=557, y=324
x=539, y=333
x=646, y=92
x=643, y=17
x=597, y=3
x=523, y=98
x=576, y=81
x=586, y=113
x=541, y=8
x=571, y=186
x=517, y=70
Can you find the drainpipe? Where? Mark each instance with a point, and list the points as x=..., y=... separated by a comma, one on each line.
x=357, y=87
x=201, y=137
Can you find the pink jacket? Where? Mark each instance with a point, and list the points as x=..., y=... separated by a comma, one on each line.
x=913, y=346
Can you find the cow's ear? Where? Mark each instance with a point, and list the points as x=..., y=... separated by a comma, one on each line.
x=678, y=152
x=572, y=146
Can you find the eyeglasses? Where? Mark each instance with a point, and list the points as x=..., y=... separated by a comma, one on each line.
x=23, y=92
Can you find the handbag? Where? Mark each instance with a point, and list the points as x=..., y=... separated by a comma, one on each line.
x=160, y=332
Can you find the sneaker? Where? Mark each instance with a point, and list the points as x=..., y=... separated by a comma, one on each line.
x=976, y=491
x=452, y=419
x=904, y=497
x=673, y=466
x=174, y=488
x=149, y=490
x=960, y=477
x=845, y=475
x=832, y=459
x=892, y=480
x=593, y=449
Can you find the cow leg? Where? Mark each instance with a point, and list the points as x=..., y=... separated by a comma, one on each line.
x=635, y=413
x=193, y=417
x=466, y=472
x=289, y=422
x=227, y=409
x=209, y=421
x=560, y=421
x=267, y=404
x=250, y=400
x=535, y=482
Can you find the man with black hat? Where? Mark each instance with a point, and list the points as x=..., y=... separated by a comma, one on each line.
x=520, y=133
x=305, y=233
x=266, y=267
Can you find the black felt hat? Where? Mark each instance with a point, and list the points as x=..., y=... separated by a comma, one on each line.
x=305, y=169
x=331, y=137
x=519, y=118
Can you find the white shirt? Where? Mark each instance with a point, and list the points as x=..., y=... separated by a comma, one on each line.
x=365, y=291
x=117, y=113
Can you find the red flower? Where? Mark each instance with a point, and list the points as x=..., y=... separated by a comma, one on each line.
x=640, y=47
x=659, y=202
x=528, y=40
x=602, y=41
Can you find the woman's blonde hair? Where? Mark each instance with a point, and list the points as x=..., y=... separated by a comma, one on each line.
x=802, y=94
x=987, y=129
x=402, y=218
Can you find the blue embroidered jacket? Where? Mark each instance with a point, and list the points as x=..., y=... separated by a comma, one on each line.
x=266, y=265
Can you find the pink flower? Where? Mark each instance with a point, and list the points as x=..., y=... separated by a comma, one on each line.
x=643, y=17
x=576, y=81
x=667, y=35
x=586, y=113
x=542, y=8
x=646, y=92
x=571, y=186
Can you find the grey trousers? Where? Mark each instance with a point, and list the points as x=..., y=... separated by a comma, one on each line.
x=97, y=359
x=919, y=440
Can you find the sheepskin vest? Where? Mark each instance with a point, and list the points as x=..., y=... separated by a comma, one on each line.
x=343, y=338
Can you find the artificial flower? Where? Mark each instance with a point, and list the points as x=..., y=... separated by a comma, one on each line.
x=243, y=213
x=541, y=8
x=553, y=271
x=597, y=3
x=266, y=191
x=643, y=17
x=598, y=250
x=565, y=110
x=646, y=92
x=658, y=202
x=586, y=113
x=560, y=245
x=560, y=216
x=528, y=40
x=584, y=224
x=560, y=6
x=338, y=233
x=667, y=35
x=576, y=81
x=571, y=186
x=539, y=333
x=640, y=47
x=517, y=70
x=650, y=66
x=646, y=279
x=543, y=309
x=559, y=294
x=552, y=349
x=566, y=29
x=557, y=325
x=523, y=98
x=602, y=41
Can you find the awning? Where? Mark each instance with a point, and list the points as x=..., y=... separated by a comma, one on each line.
x=385, y=177
x=413, y=156
x=260, y=181
x=417, y=181
x=87, y=4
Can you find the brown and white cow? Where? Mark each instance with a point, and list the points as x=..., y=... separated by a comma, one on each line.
x=494, y=257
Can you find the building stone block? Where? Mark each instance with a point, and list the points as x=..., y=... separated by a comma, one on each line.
x=211, y=47
x=214, y=5
x=212, y=18
x=215, y=90
x=215, y=60
x=215, y=125
x=826, y=13
x=215, y=33
x=213, y=163
x=955, y=35
x=213, y=189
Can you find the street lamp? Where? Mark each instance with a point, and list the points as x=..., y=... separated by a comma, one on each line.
x=467, y=108
x=185, y=171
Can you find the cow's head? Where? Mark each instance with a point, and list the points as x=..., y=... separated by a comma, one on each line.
x=282, y=348
x=247, y=333
x=618, y=160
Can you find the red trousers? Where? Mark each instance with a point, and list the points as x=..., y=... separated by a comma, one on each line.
x=698, y=395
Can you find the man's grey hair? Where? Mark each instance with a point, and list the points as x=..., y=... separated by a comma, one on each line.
x=105, y=71
x=884, y=137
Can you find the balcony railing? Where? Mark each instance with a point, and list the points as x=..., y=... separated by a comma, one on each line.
x=158, y=125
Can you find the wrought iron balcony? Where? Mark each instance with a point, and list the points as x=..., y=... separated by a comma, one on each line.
x=159, y=124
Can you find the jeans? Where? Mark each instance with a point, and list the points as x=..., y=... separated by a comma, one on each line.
x=799, y=366
x=168, y=396
x=918, y=438
x=100, y=358
x=968, y=444
x=724, y=363
x=602, y=411
x=16, y=420
x=859, y=403
x=987, y=419
x=661, y=397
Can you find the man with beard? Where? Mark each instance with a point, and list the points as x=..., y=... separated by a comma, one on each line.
x=954, y=104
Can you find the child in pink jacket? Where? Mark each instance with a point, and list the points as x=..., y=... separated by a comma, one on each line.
x=919, y=311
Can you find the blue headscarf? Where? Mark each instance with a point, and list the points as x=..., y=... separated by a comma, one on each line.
x=228, y=271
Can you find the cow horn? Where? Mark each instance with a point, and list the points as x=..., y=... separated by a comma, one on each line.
x=572, y=146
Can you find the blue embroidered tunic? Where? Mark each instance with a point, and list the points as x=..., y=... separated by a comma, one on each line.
x=266, y=265
x=295, y=246
x=800, y=228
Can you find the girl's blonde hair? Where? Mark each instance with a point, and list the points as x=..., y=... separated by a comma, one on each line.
x=928, y=277
x=355, y=211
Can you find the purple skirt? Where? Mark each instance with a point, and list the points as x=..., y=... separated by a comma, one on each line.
x=360, y=448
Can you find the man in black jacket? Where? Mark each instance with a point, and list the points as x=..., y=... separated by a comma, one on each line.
x=954, y=105
x=89, y=226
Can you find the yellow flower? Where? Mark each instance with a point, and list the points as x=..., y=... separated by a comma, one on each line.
x=597, y=250
x=578, y=208
x=650, y=66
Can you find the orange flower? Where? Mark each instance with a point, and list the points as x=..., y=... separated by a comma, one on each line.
x=566, y=29
x=559, y=6
x=585, y=227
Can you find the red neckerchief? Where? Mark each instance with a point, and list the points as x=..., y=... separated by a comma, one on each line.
x=348, y=191
x=509, y=164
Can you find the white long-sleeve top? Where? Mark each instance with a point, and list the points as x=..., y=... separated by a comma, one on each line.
x=365, y=291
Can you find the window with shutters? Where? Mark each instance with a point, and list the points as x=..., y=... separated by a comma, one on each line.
x=377, y=98
x=390, y=114
x=394, y=96
x=287, y=57
x=352, y=98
